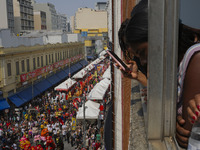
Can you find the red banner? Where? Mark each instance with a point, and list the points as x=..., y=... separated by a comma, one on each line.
x=39, y=71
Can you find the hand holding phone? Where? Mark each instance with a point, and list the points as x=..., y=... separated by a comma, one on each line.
x=119, y=61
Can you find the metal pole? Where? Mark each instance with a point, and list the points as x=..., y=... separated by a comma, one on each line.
x=84, y=126
x=84, y=121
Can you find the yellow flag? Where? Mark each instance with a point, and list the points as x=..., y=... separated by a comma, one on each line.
x=73, y=124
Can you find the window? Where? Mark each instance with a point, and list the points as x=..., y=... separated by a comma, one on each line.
x=46, y=60
x=49, y=58
x=17, y=68
x=27, y=65
x=9, y=69
x=38, y=61
x=60, y=56
x=23, y=66
x=56, y=57
x=41, y=61
x=34, y=65
x=52, y=58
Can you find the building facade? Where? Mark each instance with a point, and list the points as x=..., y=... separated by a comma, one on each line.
x=93, y=26
x=6, y=14
x=23, y=15
x=22, y=66
x=51, y=15
x=101, y=6
x=62, y=22
x=40, y=20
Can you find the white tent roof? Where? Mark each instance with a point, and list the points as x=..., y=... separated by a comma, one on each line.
x=64, y=86
x=99, y=90
x=102, y=53
x=92, y=104
x=107, y=73
x=80, y=74
x=90, y=113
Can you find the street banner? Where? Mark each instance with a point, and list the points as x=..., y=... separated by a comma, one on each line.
x=73, y=124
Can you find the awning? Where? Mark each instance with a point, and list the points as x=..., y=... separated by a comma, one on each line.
x=27, y=94
x=78, y=66
x=83, y=62
x=90, y=57
x=16, y=100
x=53, y=79
x=73, y=69
x=4, y=104
x=62, y=74
x=43, y=85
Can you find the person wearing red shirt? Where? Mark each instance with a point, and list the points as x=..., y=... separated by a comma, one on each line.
x=97, y=145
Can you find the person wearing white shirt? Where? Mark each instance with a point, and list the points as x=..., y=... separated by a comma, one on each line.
x=50, y=129
x=64, y=131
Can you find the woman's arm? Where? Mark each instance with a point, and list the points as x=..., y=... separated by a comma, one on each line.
x=191, y=86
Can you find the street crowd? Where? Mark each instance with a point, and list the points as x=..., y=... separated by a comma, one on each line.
x=47, y=122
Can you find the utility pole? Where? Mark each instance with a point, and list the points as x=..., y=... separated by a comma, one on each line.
x=84, y=126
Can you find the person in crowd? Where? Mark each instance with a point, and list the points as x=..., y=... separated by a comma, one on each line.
x=59, y=142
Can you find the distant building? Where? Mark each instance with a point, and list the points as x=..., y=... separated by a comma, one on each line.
x=92, y=25
x=72, y=23
x=6, y=15
x=62, y=22
x=87, y=18
x=51, y=15
x=23, y=15
x=101, y=6
x=40, y=20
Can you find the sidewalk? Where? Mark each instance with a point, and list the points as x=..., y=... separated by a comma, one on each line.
x=137, y=140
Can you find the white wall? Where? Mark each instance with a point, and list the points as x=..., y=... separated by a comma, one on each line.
x=10, y=40
x=3, y=15
x=74, y=37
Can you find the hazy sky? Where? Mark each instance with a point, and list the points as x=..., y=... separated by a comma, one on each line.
x=69, y=7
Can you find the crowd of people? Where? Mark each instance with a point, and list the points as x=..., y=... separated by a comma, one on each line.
x=49, y=120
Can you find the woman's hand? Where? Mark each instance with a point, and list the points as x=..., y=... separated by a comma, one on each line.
x=133, y=68
x=193, y=109
x=182, y=135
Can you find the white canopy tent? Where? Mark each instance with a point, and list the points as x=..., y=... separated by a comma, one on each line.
x=90, y=113
x=102, y=53
x=92, y=104
x=80, y=74
x=64, y=86
x=107, y=73
x=99, y=90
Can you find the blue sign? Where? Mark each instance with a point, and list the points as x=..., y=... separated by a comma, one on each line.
x=84, y=34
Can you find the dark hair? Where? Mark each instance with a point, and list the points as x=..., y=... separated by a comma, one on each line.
x=121, y=35
x=186, y=39
x=137, y=28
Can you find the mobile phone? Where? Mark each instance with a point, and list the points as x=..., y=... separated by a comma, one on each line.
x=118, y=61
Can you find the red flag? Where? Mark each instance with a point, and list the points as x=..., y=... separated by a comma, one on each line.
x=75, y=105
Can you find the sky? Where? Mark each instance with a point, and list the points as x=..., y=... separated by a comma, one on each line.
x=69, y=7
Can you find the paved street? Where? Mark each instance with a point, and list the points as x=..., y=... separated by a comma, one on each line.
x=68, y=146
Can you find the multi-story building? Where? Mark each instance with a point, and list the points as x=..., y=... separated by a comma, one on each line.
x=62, y=22
x=6, y=14
x=40, y=20
x=101, y=6
x=72, y=23
x=23, y=15
x=23, y=66
x=51, y=15
x=93, y=26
